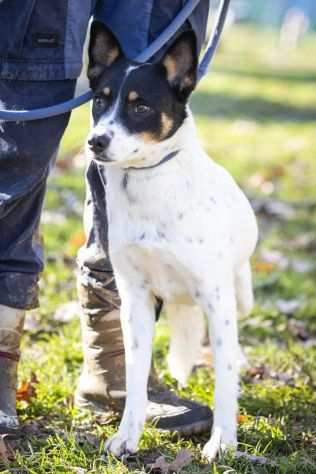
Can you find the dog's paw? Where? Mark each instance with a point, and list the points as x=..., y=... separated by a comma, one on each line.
x=120, y=445
x=217, y=446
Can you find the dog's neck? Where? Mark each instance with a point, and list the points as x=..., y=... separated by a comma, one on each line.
x=184, y=140
x=155, y=190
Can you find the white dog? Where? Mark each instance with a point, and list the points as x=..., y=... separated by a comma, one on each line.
x=179, y=227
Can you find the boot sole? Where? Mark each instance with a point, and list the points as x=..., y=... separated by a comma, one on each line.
x=197, y=427
x=189, y=430
x=5, y=430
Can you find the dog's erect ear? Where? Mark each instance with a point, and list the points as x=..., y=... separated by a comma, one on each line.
x=180, y=62
x=104, y=49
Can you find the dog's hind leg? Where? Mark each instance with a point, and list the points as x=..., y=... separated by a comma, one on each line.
x=244, y=292
x=187, y=328
x=244, y=296
x=219, y=304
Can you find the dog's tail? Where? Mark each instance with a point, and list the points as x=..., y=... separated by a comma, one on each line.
x=187, y=329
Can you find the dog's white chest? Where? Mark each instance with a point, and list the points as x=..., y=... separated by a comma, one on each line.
x=162, y=270
x=170, y=227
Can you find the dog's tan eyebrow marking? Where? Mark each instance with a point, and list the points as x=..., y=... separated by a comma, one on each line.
x=107, y=91
x=133, y=95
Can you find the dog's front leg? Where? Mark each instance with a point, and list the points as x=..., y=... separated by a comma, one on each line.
x=219, y=304
x=137, y=318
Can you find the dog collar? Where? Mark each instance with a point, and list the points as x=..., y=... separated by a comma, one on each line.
x=166, y=158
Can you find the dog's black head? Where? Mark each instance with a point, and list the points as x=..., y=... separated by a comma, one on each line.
x=137, y=107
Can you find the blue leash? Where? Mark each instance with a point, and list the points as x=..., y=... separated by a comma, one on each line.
x=154, y=47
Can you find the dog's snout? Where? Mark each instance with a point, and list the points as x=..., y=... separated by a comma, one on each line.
x=99, y=143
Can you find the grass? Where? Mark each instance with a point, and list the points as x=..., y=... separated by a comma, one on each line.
x=256, y=115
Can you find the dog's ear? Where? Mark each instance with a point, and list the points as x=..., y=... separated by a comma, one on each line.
x=104, y=49
x=180, y=62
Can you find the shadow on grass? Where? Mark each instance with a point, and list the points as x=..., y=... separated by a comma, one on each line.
x=228, y=106
x=286, y=76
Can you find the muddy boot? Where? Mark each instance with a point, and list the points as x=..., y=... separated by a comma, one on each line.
x=11, y=326
x=101, y=386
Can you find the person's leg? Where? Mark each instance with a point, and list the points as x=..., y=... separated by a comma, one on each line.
x=102, y=381
x=23, y=174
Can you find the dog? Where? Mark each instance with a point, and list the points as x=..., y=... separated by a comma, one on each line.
x=180, y=228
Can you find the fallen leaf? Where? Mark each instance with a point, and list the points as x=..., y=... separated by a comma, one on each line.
x=266, y=267
x=298, y=328
x=242, y=419
x=87, y=438
x=27, y=389
x=275, y=257
x=183, y=458
x=6, y=453
x=256, y=372
x=160, y=464
x=78, y=239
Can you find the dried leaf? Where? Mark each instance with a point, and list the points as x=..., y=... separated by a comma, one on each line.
x=27, y=389
x=256, y=372
x=183, y=458
x=298, y=328
x=160, y=464
x=87, y=438
x=242, y=419
x=6, y=452
x=275, y=257
x=77, y=239
x=266, y=267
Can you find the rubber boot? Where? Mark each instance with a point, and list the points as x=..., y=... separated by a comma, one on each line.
x=101, y=385
x=11, y=327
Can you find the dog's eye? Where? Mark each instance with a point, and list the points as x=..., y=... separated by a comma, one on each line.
x=99, y=102
x=142, y=109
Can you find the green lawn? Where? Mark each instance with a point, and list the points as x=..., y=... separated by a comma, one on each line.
x=256, y=114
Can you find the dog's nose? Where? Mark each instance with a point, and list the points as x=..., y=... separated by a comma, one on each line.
x=99, y=143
